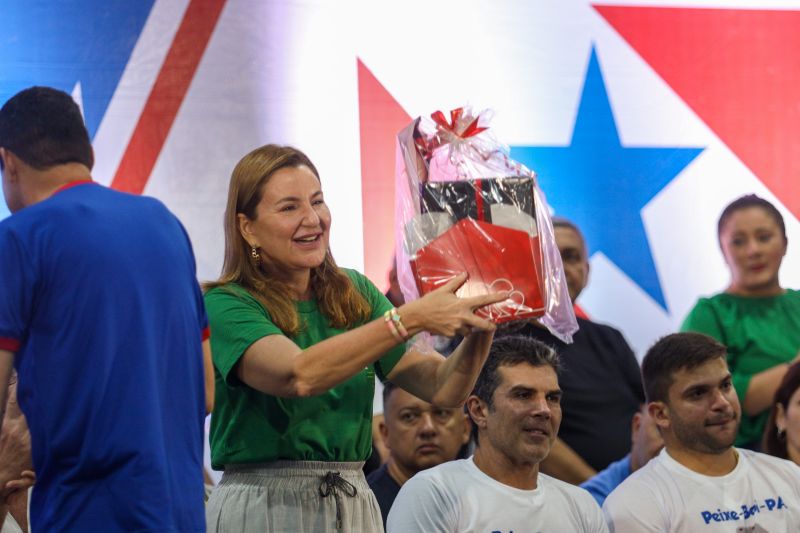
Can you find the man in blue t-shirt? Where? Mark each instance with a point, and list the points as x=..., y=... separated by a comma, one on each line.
x=102, y=316
x=646, y=442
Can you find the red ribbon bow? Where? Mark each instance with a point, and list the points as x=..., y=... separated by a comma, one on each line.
x=455, y=116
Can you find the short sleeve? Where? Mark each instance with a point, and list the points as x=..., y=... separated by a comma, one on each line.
x=202, y=316
x=236, y=320
x=703, y=319
x=422, y=506
x=592, y=515
x=623, y=512
x=379, y=305
x=17, y=290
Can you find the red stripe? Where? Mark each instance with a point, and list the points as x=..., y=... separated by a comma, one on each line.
x=11, y=345
x=205, y=334
x=734, y=68
x=479, y=199
x=380, y=118
x=167, y=95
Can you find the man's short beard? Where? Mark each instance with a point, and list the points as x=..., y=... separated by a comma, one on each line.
x=701, y=441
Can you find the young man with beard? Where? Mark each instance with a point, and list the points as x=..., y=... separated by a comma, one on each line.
x=515, y=407
x=700, y=482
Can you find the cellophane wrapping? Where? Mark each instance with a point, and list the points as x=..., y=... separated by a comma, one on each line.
x=464, y=205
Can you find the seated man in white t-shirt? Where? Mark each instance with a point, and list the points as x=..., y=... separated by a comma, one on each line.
x=700, y=482
x=515, y=408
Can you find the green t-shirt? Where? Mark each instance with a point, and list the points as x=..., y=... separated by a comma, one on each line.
x=248, y=426
x=760, y=333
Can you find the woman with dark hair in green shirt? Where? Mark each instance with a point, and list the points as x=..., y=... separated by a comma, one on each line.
x=756, y=318
x=297, y=343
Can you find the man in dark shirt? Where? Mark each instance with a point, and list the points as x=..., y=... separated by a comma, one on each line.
x=418, y=436
x=601, y=380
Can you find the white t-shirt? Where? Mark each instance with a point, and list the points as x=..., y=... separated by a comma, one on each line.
x=10, y=525
x=761, y=494
x=458, y=497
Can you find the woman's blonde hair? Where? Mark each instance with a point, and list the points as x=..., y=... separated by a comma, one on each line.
x=337, y=297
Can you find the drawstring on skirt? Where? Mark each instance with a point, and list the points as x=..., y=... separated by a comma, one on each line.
x=333, y=481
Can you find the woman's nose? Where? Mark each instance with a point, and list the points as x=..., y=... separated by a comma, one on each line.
x=310, y=216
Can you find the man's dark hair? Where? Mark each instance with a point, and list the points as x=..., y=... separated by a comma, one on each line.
x=388, y=388
x=44, y=128
x=561, y=222
x=745, y=202
x=511, y=350
x=671, y=354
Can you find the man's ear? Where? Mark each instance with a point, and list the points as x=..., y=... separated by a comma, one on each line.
x=384, y=431
x=467, y=429
x=478, y=411
x=659, y=412
x=10, y=165
x=636, y=423
x=780, y=417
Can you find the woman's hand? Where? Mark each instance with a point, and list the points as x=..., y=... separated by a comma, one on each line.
x=441, y=312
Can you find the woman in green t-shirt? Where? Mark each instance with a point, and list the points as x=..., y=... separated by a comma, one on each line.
x=297, y=343
x=756, y=318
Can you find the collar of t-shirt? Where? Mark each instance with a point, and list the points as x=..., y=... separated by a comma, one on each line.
x=526, y=493
x=71, y=184
x=732, y=477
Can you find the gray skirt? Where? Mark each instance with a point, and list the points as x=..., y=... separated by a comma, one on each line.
x=293, y=496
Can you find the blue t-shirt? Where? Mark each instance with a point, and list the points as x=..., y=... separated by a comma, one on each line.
x=100, y=303
x=604, y=483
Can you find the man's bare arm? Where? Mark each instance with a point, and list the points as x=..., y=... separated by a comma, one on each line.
x=6, y=365
x=565, y=464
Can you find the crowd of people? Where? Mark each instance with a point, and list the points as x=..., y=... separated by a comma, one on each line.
x=115, y=354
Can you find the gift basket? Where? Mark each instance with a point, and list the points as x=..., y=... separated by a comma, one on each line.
x=464, y=205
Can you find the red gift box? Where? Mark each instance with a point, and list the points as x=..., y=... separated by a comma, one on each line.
x=496, y=258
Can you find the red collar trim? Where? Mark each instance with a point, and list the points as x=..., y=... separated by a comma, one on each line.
x=70, y=185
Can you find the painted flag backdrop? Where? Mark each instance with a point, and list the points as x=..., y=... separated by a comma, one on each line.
x=642, y=119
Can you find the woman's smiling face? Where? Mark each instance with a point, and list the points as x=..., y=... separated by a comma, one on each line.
x=292, y=222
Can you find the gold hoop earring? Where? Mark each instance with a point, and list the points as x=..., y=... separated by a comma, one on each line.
x=254, y=255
